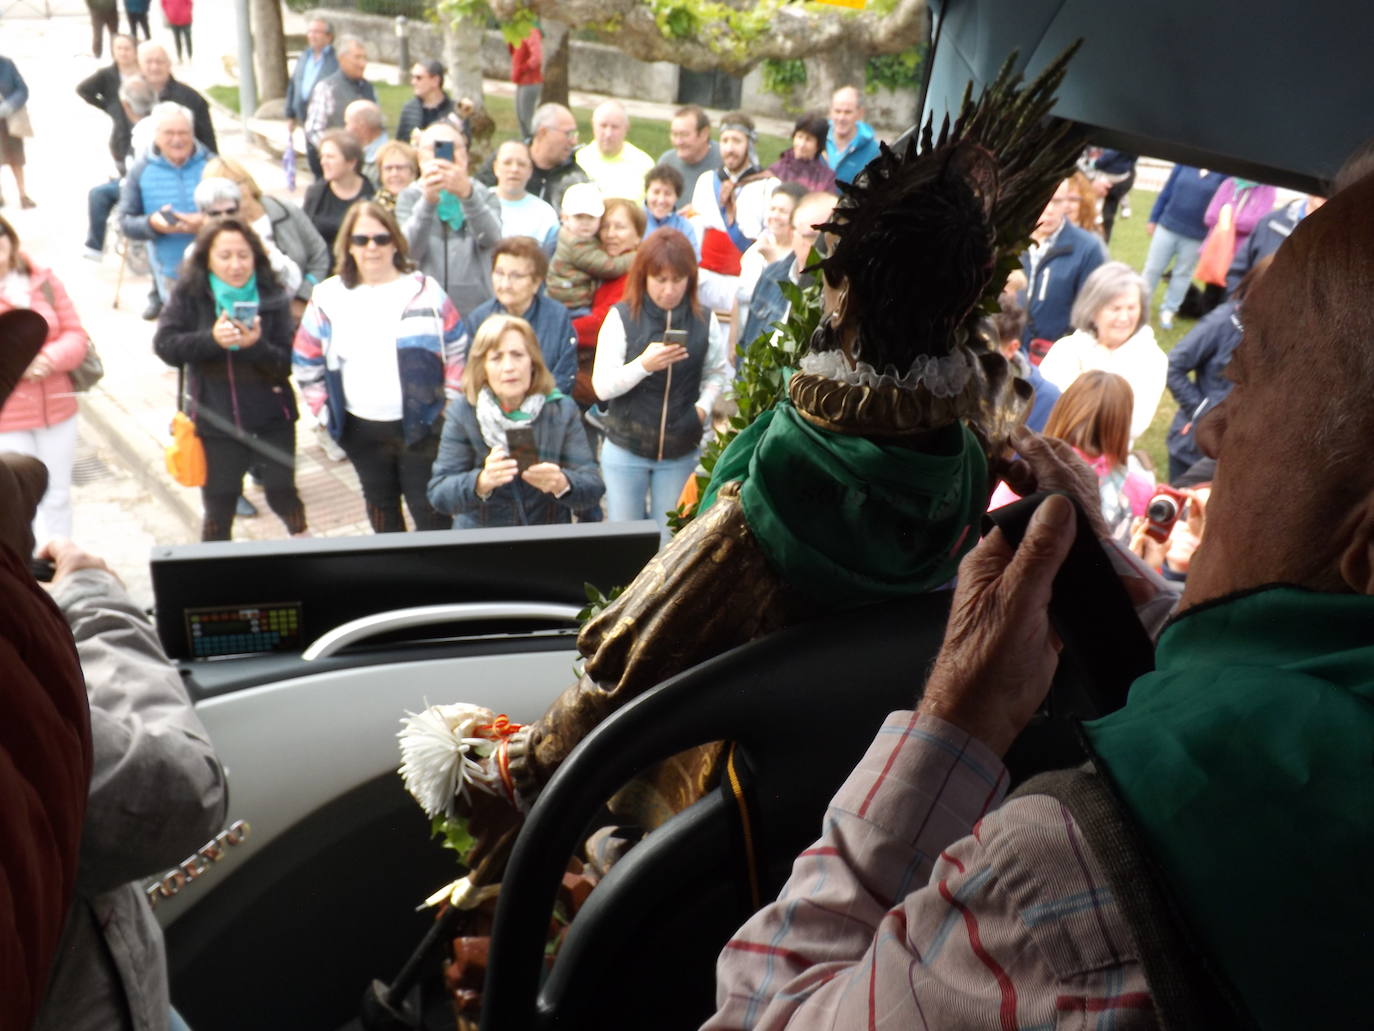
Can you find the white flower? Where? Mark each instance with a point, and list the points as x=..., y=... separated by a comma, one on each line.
x=440, y=749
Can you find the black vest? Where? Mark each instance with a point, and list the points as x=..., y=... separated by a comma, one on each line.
x=636, y=416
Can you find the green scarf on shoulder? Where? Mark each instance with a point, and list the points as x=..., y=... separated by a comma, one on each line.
x=225, y=295
x=1248, y=758
x=848, y=521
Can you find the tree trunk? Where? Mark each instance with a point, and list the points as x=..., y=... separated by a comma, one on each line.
x=269, y=49
x=826, y=72
x=463, y=56
x=556, y=36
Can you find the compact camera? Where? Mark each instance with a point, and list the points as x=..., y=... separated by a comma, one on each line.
x=1163, y=512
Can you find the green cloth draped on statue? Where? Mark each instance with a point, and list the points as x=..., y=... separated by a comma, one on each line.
x=847, y=520
x=1248, y=758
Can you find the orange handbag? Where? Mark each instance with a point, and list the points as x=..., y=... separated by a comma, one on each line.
x=185, y=455
x=1218, y=250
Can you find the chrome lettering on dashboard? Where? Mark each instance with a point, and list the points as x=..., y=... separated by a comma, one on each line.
x=197, y=865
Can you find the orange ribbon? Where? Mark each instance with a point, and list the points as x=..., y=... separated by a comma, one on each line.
x=501, y=727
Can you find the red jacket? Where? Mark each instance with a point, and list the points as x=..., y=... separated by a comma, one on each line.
x=48, y=401
x=45, y=770
x=526, y=60
x=178, y=12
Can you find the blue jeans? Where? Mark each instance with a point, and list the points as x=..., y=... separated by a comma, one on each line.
x=100, y=202
x=631, y=479
x=1164, y=246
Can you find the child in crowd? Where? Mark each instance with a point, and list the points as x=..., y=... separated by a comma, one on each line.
x=662, y=188
x=580, y=262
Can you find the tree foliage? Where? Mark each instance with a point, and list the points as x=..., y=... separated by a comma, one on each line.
x=731, y=35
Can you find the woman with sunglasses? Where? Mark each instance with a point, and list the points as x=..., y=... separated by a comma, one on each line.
x=378, y=352
x=228, y=324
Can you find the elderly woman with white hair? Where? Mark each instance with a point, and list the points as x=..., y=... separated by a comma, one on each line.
x=219, y=198
x=1111, y=323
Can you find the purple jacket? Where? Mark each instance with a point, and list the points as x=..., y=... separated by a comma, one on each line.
x=1255, y=203
x=814, y=174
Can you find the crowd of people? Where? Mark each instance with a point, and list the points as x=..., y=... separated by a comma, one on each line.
x=580, y=242
x=486, y=377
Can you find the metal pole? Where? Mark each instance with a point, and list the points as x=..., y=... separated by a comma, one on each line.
x=248, y=83
x=402, y=52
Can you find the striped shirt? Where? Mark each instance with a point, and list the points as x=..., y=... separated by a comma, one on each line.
x=927, y=904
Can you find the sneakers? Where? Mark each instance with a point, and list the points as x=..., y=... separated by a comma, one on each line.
x=1166, y=320
x=153, y=310
x=91, y=254
x=1125, y=211
x=27, y=202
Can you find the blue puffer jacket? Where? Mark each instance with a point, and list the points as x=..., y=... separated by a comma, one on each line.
x=1182, y=203
x=152, y=182
x=560, y=438
x=1206, y=350
x=1060, y=274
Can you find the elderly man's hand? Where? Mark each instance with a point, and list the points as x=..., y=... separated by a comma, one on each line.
x=1000, y=652
x=67, y=557
x=1049, y=464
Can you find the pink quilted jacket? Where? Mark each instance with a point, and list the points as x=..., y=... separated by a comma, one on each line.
x=50, y=400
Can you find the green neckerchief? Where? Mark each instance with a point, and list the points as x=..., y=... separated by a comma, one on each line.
x=848, y=521
x=520, y=415
x=1248, y=758
x=451, y=210
x=225, y=295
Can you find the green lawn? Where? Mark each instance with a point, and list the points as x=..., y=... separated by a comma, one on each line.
x=1130, y=243
x=649, y=135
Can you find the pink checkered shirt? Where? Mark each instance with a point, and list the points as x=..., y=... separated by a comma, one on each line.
x=926, y=904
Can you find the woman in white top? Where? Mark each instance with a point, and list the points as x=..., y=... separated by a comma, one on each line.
x=1111, y=322
x=661, y=364
x=379, y=350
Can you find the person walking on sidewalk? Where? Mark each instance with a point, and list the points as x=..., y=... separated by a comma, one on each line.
x=39, y=419
x=104, y=18
x=137, y=13
x=379, y=350
x=228, y=324
x=178, y=13
x=14, y=125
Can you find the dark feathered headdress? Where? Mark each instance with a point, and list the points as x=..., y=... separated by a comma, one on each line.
x=927, y=236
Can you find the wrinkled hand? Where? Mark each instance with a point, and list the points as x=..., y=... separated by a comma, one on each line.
x=1049, y=464
x=546, y=476
x=23, y=482
x=1000, y=653
x=497, y=471
x=68, y=556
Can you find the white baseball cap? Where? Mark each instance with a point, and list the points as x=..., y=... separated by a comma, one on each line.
x=583, y=199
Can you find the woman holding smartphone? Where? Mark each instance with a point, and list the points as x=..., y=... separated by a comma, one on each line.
x=379, y=348
x=513, y=452
x=661, y=363
x=228, y=326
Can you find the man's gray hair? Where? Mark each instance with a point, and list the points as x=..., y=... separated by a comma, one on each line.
x=1106, y=283
x=328, y=25
x=138, y=95
x=545, y=115
x=216, y=190
x=344, y=44
x=148, y=46
x=366, y=112
x=164, y=111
